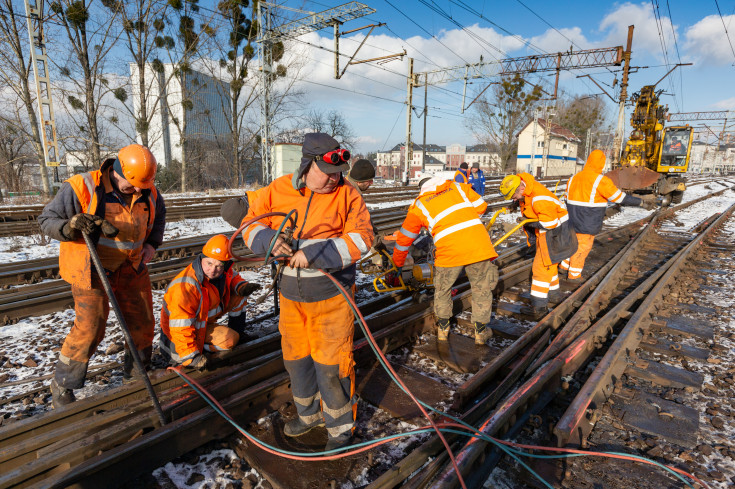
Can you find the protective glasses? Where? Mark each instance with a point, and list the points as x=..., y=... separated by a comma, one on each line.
x=336, y=157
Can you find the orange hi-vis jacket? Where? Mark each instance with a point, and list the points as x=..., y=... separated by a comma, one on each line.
x=333, y=230
x=451, y=213
x=134, y=222
x=588, y=193
x=190, y=302
x=540, y=203
x=460, y=176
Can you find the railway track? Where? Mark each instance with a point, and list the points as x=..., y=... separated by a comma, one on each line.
x=251, y=383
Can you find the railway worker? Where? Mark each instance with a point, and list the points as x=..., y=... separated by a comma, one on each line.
x=461, y=174
x=555, y=239
x=122, y=192
x=234, y=210
x=476, y=178
x=451, y=211
x=588, y=193
x=676, y=146
x=361, y=175
x=201, y=293
x=332, y=233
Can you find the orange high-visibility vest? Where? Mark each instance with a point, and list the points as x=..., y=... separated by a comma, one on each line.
x=451, y=214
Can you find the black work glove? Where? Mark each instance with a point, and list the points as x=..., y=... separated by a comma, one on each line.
x=199, y=362
x=514, y=206
x=380, y=247
x=245, y=290
x=532, y=225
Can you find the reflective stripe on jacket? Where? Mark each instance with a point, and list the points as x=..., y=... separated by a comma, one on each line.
x=190, y=302
x=451, y=214
x=333, y=230
x=135, y=222
x=555, y=240
x=588, y=193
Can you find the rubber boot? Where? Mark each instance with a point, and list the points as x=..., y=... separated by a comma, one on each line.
x=482, y=333
x=237, y=323
x=61, y=396
x=537, y=309
x=340, y=441
x=297, y=427
x=130, y=372
x=442, y=329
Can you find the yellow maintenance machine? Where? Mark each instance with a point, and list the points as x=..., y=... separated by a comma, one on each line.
x=655, y=157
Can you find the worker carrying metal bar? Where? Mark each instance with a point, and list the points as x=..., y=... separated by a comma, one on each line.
x=201, y=293
x=587, y=195
x=461, y=175
x=555, y=238
x=332, y=233
x=120, y=194
x=451, y=212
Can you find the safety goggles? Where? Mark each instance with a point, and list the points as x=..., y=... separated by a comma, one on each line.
x=336, y=157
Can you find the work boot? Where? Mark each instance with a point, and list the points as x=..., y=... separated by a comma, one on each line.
x=297, y=427
x=130, y=372
x=340, y=441
x=442, y=329
x=482, y=333
x=563, y=272
x=574, y=281
x=61, y=396
x=555, y=296
x=237, y=323
x=537, y=309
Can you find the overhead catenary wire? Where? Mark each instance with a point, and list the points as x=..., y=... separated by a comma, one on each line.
x=725, y=27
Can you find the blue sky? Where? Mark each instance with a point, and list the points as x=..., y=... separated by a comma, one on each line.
x=445, y=33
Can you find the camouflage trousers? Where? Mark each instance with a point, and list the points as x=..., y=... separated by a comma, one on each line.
x=483, y=277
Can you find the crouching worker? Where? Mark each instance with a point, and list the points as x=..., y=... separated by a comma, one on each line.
x=451, y=212
x=199, y=295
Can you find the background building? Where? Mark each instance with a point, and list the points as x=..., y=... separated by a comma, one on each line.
x=205, y=122
x=438, y=158
x=546, y=149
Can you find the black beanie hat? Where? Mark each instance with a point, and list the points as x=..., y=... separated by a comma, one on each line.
x=463, y=166
x=362, y=171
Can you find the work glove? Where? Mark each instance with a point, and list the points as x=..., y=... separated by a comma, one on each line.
x=88, y=224
x=513, y=206
x=380, y=247
x=245, y=290
x=648, y=202
x=199, y=362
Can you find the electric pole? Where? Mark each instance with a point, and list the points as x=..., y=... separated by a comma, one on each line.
x=426, y=114
x=618, y=141
x=409, y=100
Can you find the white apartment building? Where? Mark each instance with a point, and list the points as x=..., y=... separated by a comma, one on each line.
x=546, y=149
x=711, y=158
x=438, y=158
x=205, y=121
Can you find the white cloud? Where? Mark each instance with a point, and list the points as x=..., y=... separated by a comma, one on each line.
x=552, y=41
x=726, y=104
x=707, y=42
x=646, y=38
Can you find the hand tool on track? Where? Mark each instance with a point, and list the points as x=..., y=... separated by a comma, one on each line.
x=123, y=325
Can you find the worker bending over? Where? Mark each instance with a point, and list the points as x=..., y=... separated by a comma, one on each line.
x=332, y=232
x=451, y=212
x=555, y=239
x=588, y=193
x=119, y=196
x=201, y=293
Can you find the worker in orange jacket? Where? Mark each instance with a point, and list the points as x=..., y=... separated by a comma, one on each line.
x=332, y=232
x=201, y=293
x=555, y=238
x=450, y=211
x=121, y=194
x=588, y=193
x=234, y=210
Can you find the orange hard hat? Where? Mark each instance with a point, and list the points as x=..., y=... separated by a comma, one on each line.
x=216, y=248
x=138, y=165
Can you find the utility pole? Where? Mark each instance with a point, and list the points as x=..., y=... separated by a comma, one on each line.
x=547, y=138
x=426, y=115
x=532, y=167
x=265, y=53
x=618, y=141
x=409, y=100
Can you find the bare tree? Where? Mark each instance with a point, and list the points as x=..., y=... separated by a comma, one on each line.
x=581, y=114
x=333, y=123
x=15, y=75
x=496, y=122
x=16, y=155
x=90, y=36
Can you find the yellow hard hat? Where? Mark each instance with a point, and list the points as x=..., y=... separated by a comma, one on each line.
x=509, y=185
x=216, y=248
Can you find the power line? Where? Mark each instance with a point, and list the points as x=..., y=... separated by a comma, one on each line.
x=678, y=56
x=723, y=25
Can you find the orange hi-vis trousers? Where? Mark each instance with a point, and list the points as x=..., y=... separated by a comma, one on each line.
x=316, y=338
x=575, y=264
x=544, y=278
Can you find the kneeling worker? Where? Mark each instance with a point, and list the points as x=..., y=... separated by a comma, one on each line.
x=555, y=239
x=194, y=301
x=450, y=211
x=587, y=195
